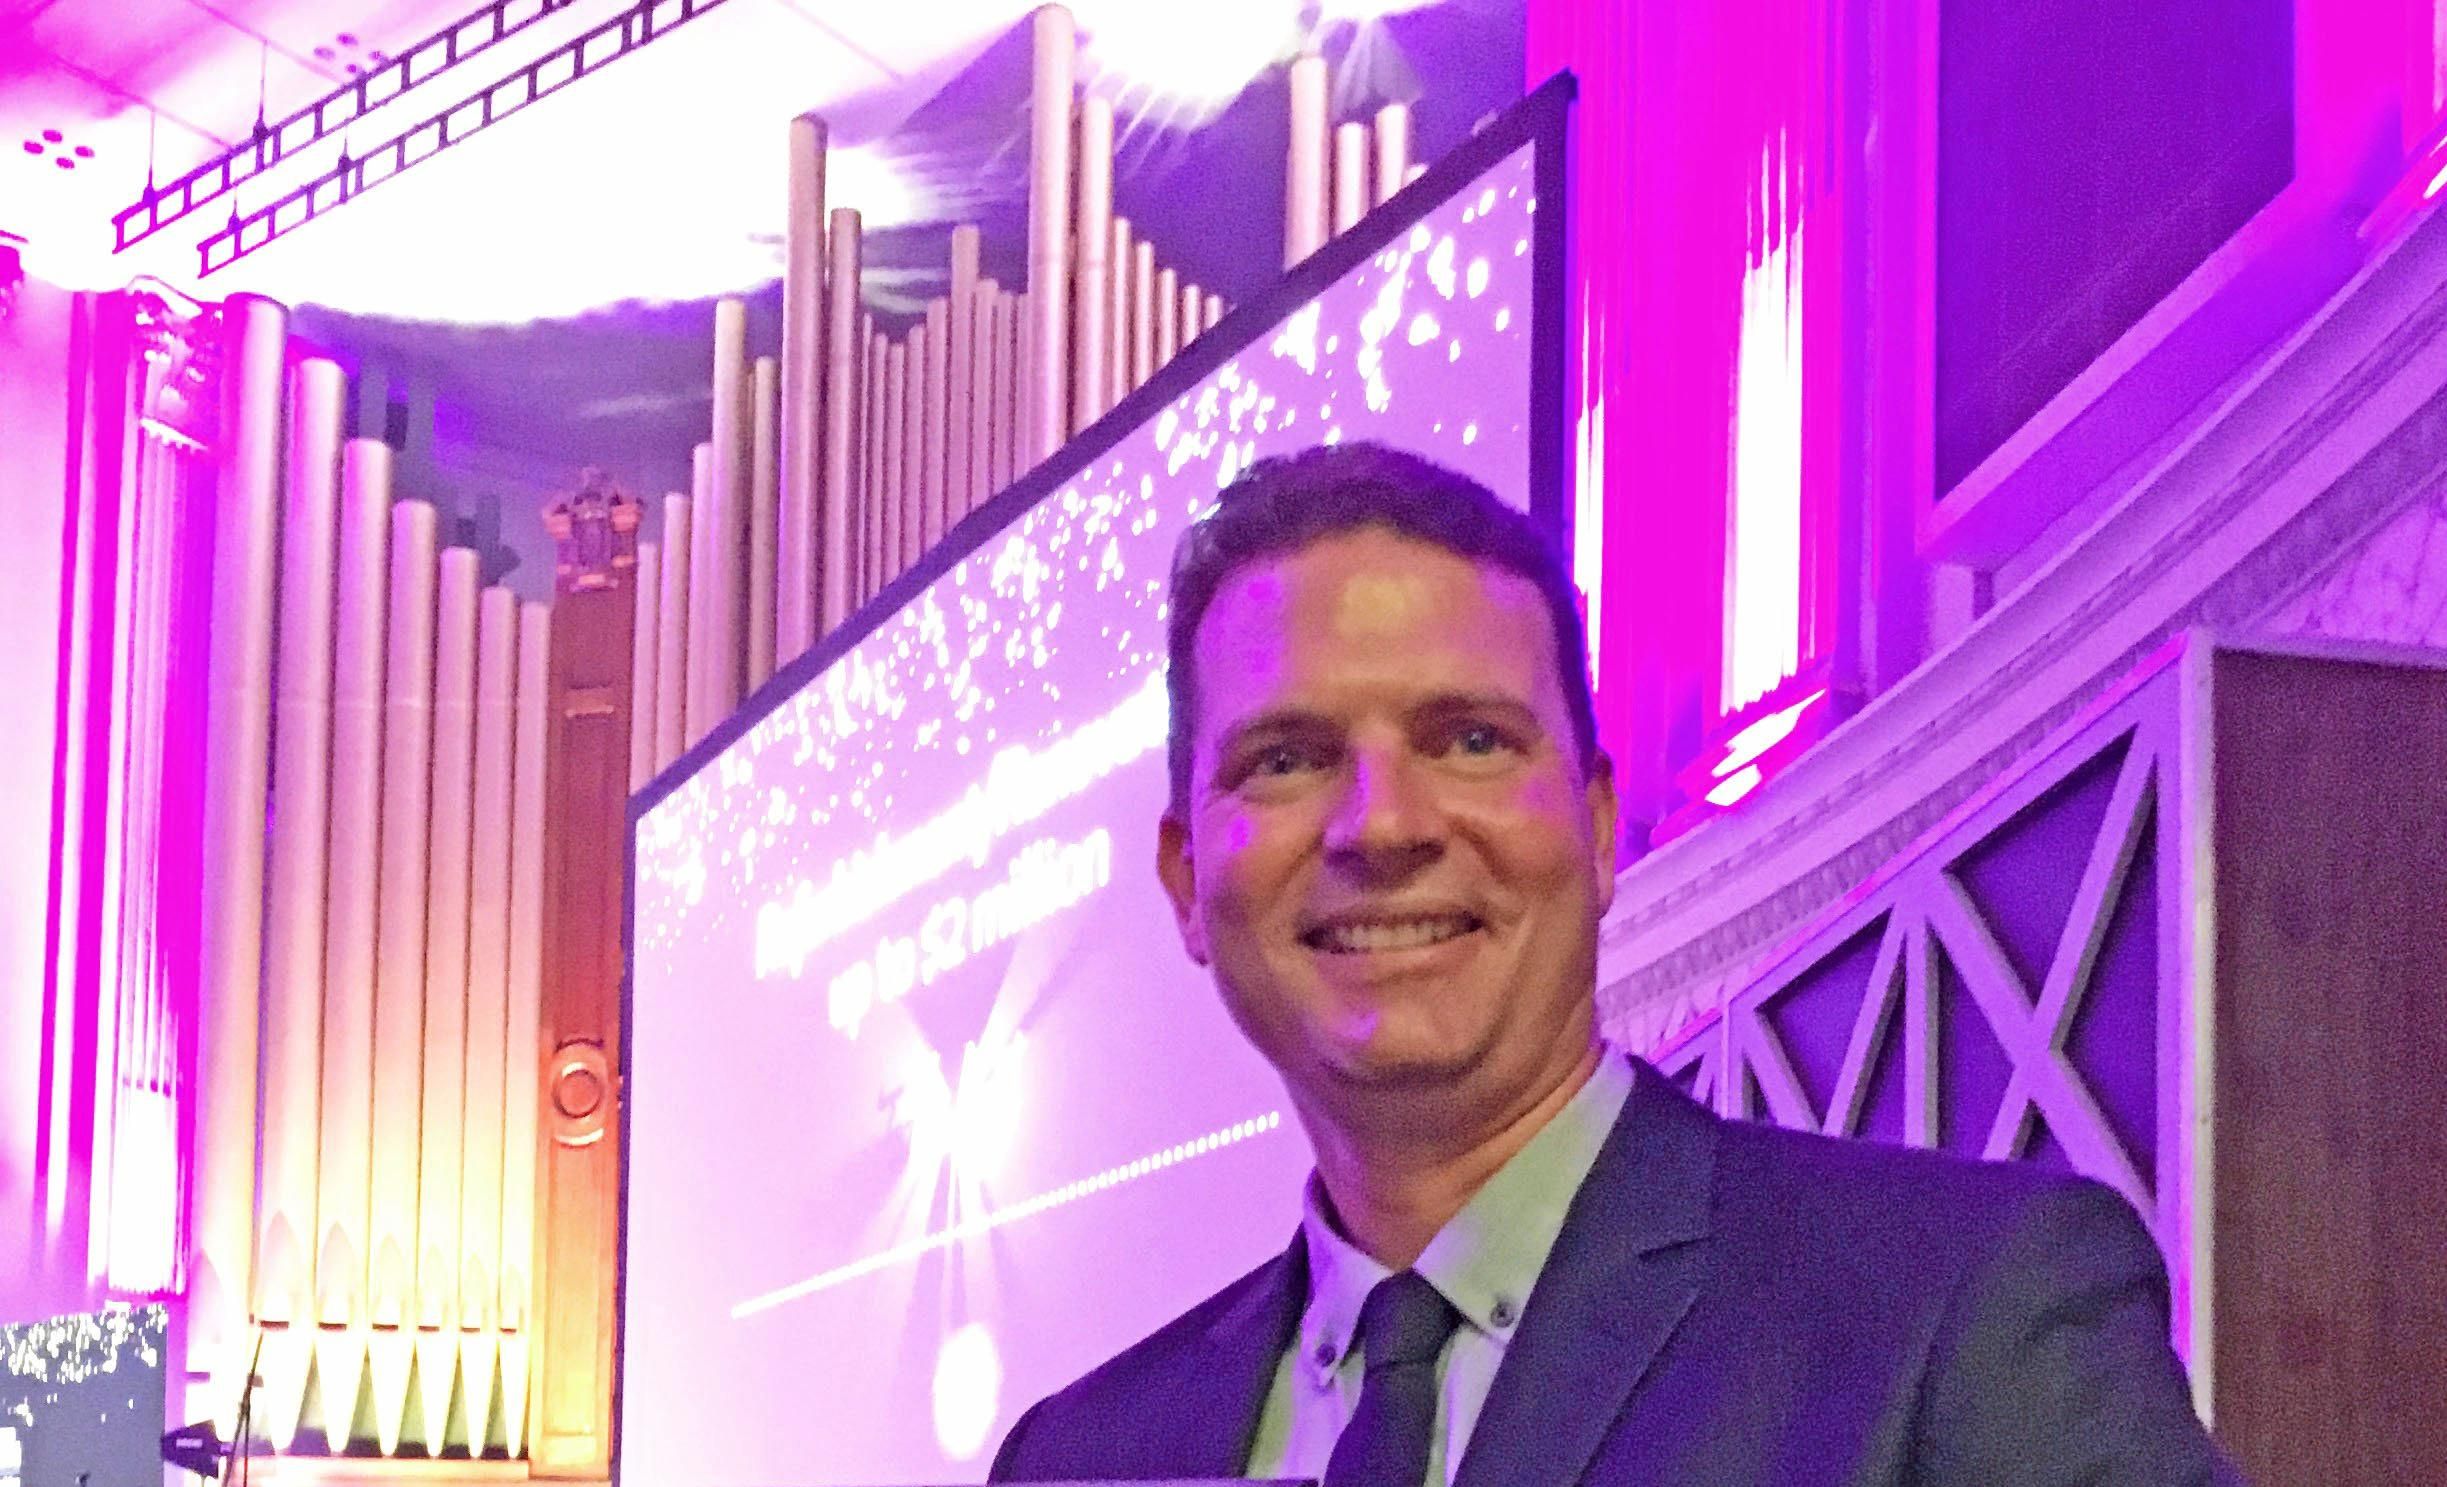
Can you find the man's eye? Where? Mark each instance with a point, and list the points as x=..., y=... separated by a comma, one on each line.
x=1282, y=759
x=1480, y=740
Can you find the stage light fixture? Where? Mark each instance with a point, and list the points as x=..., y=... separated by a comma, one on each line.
x=631, y=30
x=196, y=1448
x=366, y=91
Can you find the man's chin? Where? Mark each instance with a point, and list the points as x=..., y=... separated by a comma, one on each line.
x=1394, y=1064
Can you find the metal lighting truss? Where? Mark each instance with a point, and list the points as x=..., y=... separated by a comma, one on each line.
x=605, y=44
x=327, y=116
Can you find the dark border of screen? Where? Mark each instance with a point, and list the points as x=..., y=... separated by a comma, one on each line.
x=1539, y=119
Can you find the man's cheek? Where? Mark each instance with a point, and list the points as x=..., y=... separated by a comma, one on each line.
x=1544, y=794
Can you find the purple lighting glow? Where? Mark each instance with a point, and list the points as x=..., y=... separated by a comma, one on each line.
x=1705, y=343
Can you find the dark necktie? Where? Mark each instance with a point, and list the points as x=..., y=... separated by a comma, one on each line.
x=1403, y=1327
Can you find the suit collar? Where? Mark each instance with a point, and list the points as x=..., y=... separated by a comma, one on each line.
x=1625, y=1269
x=1211, y=1434
x=1487, y=1258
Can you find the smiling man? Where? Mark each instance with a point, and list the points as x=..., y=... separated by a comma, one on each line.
x=1525, y=1258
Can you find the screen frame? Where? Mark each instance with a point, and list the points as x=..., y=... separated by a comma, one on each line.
x=1541, y=120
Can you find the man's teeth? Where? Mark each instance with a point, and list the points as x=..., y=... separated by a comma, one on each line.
x=1408, y=935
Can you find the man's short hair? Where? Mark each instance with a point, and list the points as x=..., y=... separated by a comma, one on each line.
x=1283, y=504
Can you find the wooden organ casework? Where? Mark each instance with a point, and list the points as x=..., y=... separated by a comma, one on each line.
x=416, y=788
x=2193, y=947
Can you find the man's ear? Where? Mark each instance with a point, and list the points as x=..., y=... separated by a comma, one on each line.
x=1603, y=808
x=1180, y=880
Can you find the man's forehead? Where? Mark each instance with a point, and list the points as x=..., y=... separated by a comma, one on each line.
x=1372, y=578
x=1383, y=605
x=1373, y=590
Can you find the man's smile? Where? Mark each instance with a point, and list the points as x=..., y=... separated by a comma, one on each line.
x=1363, y=932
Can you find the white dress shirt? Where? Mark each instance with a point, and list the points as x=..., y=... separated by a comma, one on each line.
x=1485, y=1261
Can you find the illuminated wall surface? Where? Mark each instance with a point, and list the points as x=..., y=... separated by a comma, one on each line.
x=928, y=1111
x=81, y=1399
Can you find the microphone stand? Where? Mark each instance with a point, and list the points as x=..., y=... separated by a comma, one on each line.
x=242, y=1441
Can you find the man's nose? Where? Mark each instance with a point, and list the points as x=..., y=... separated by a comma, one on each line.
x=1387, y=824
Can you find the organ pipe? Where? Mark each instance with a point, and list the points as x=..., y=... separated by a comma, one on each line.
x=934, y=419
x=645, y=636
x=1117, y=312
x=399, y=963
x=1304, y=183
x=722, y=529
x=1054, y=41
x=1168, y=315
x=236, y=765
x=1353, y=176
x=1010, y=369
x=523, y=1041
x=1142, y=315
x=764, y=423
x=873, y=439
x=492, y=1089
x=705, y=518
x=844, y=351
x=960, y=374
x=1193, y=313
x=1392, y=149
x=1092, y=240
x=912, y=498
x=807, y=370
x=985, y=388
x=1023, y=374
x=296, y=879
x=344, y=1190
x=890, y=502
x=441, y=1148
x=672, y=643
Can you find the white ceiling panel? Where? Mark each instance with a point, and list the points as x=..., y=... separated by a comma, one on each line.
x=665, y=165
x=659, y=177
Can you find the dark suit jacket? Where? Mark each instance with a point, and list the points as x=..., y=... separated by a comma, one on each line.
x=1730, y=1303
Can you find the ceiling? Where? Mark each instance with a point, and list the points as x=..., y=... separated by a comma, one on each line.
x=658, y=178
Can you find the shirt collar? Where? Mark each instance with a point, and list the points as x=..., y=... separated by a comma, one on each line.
x=1487, y=1257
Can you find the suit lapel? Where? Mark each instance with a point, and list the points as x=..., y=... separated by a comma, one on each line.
x=1209, y=1429
x=1626, y=1266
